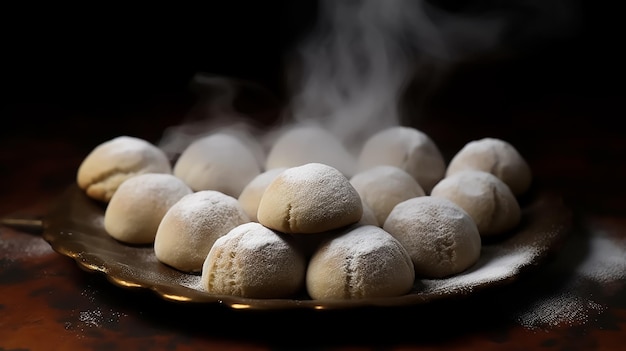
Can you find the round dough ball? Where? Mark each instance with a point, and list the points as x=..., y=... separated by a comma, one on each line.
x=361, y=262
x=137, y=207
x=191, y=226
x=486, y=198
x=251, y=194
x=382, y=187
x=300, y=145
x=408, y=149
x=311, y=198
x=441, y=238
x=220, y=162
x=255, y=262
x=497, y=157
x=309, y=243
x=109, y=164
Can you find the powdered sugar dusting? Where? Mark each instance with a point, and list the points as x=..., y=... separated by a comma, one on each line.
x=24, y=247
x=565, y=308
x=606, y=261
x=313, y=171
x=190, y=281
x=602, y=266
x=495, y=265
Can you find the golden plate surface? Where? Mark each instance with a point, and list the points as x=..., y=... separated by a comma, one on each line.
x=74, y=228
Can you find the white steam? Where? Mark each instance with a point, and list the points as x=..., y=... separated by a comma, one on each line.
x=356, y=63
x=215, y=112
x=350, y=72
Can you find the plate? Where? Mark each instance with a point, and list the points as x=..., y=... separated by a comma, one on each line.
x=74, y=228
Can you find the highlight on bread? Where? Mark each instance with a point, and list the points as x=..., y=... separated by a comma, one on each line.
x=307, y=199
x=362, y=261
x=251, y=194
x=408, y=149
x=441, y=238
x=383, y=187
x=110, y=163
x=191, y=226
x=486, y=198
x=137, y=207
x=218, y=161
x=495, y=156
x=302, y=144
x=256, y=262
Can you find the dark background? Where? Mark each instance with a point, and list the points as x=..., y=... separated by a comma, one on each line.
x=80, y=52
x=113, y=69
x=112, y=53
x=73, y=76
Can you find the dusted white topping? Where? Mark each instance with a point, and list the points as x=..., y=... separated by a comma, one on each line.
x=497, y=157
x=361, y=262
x=253, y=261
x=486, y=198
x=312, y=198
x=191, y=226
x=251, y=194
x=407, y=148
x=220, y=162
x=382, y=187
x=109, y=164
x=309, y=144
x=366, y=236
x=137, y=207
x=441, y=238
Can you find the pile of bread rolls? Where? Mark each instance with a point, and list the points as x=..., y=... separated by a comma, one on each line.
x=309, y=217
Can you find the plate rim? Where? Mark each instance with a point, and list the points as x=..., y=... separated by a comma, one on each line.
x=54, y=227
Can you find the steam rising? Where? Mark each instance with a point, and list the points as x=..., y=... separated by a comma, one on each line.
x=353, y=68
x=350, y=71
x=357, y=62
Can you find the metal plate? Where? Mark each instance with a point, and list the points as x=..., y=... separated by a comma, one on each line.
x=74, y=228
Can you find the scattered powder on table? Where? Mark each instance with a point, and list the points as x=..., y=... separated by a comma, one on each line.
x=91, y=318
x=25, y=247
x=96, y=318
x=564, y=308
x=573, y=303
x=606, y=261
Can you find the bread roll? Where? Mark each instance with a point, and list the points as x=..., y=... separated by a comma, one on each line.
x=441, y=238
x=362, y=262
x=309, y=243
x=112, y=162
x=251, y=194
x=255, y=262
x=311, y=198
x=497, y=157
x=137, y=207
x=382, y=187
x=191, y=226
x=408, y=149
x=486, y=198
x=220, y=162
x=300, y=145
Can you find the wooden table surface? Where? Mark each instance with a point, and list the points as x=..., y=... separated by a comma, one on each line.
x=565, y=128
